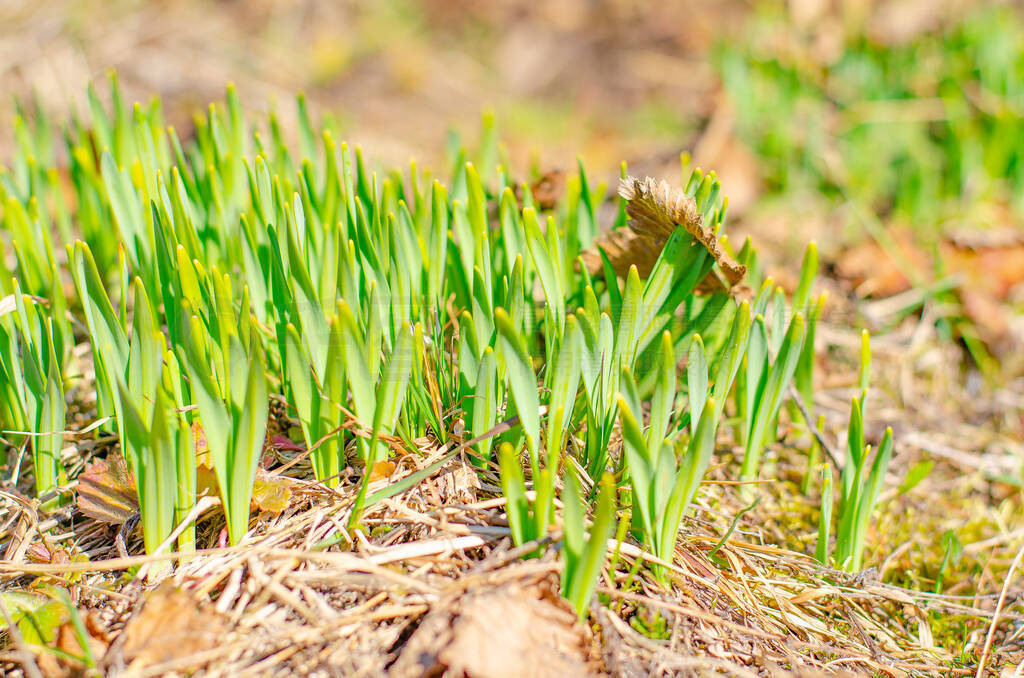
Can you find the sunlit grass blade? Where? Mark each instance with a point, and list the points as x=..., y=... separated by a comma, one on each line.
x=584, y=556
x=513, y=487
x=765, y=407
x=692, y=467
x=565, y=381
x=522, y=382
x=825, y=520
x=696, y=381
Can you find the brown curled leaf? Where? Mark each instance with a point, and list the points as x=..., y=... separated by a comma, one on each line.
x=106, y=491
x=655, y=208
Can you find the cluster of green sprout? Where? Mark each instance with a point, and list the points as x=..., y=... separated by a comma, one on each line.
x=211, y=274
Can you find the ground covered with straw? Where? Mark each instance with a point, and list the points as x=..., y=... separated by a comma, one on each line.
x=442, y=588
x=407, y=549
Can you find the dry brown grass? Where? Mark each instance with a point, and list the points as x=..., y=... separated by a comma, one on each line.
x=436, y=575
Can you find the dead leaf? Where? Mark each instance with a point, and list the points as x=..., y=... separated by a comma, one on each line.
x=283, y=443
x=547, y=190
x=381, y=470
x=624, y=248
x=69, y=643
x=271, y=493
x=877, y=273
x=990, y=277
x=171, y=625
x=537, y=637
x=989, y=270
x=106, y=491
x=43, y=553
x=655, y=209
x=55, y=554
x=995, y=270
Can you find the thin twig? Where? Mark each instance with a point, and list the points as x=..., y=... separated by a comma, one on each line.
x=995, y=616
x=818, y=435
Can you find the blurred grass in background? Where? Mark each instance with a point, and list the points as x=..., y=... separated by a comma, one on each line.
x=923, y=131
x=901, y=125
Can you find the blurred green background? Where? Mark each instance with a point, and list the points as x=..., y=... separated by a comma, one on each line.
x=888, y=130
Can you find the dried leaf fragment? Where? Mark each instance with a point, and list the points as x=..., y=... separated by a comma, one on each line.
x=990, y=271
x=68, y=642
x=655, y=209
x=106, y=491
x=382, y=470
x=271, y=493
x=55, y=554
x=538, y=637
x=171, y=625
x=546, y=190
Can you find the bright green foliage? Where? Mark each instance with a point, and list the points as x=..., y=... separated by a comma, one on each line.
x=767, y=378
x=390, y=395
x=917, y=147
x=825, y=519
x=812, y=309
x=860, y=483
x=663, y=485
x=225, y=371
x=157, y=439
x=522, y=383
x=528, y=518
x=31, y=385
x=154, y=447
x=213, y=275
x=584, y=554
